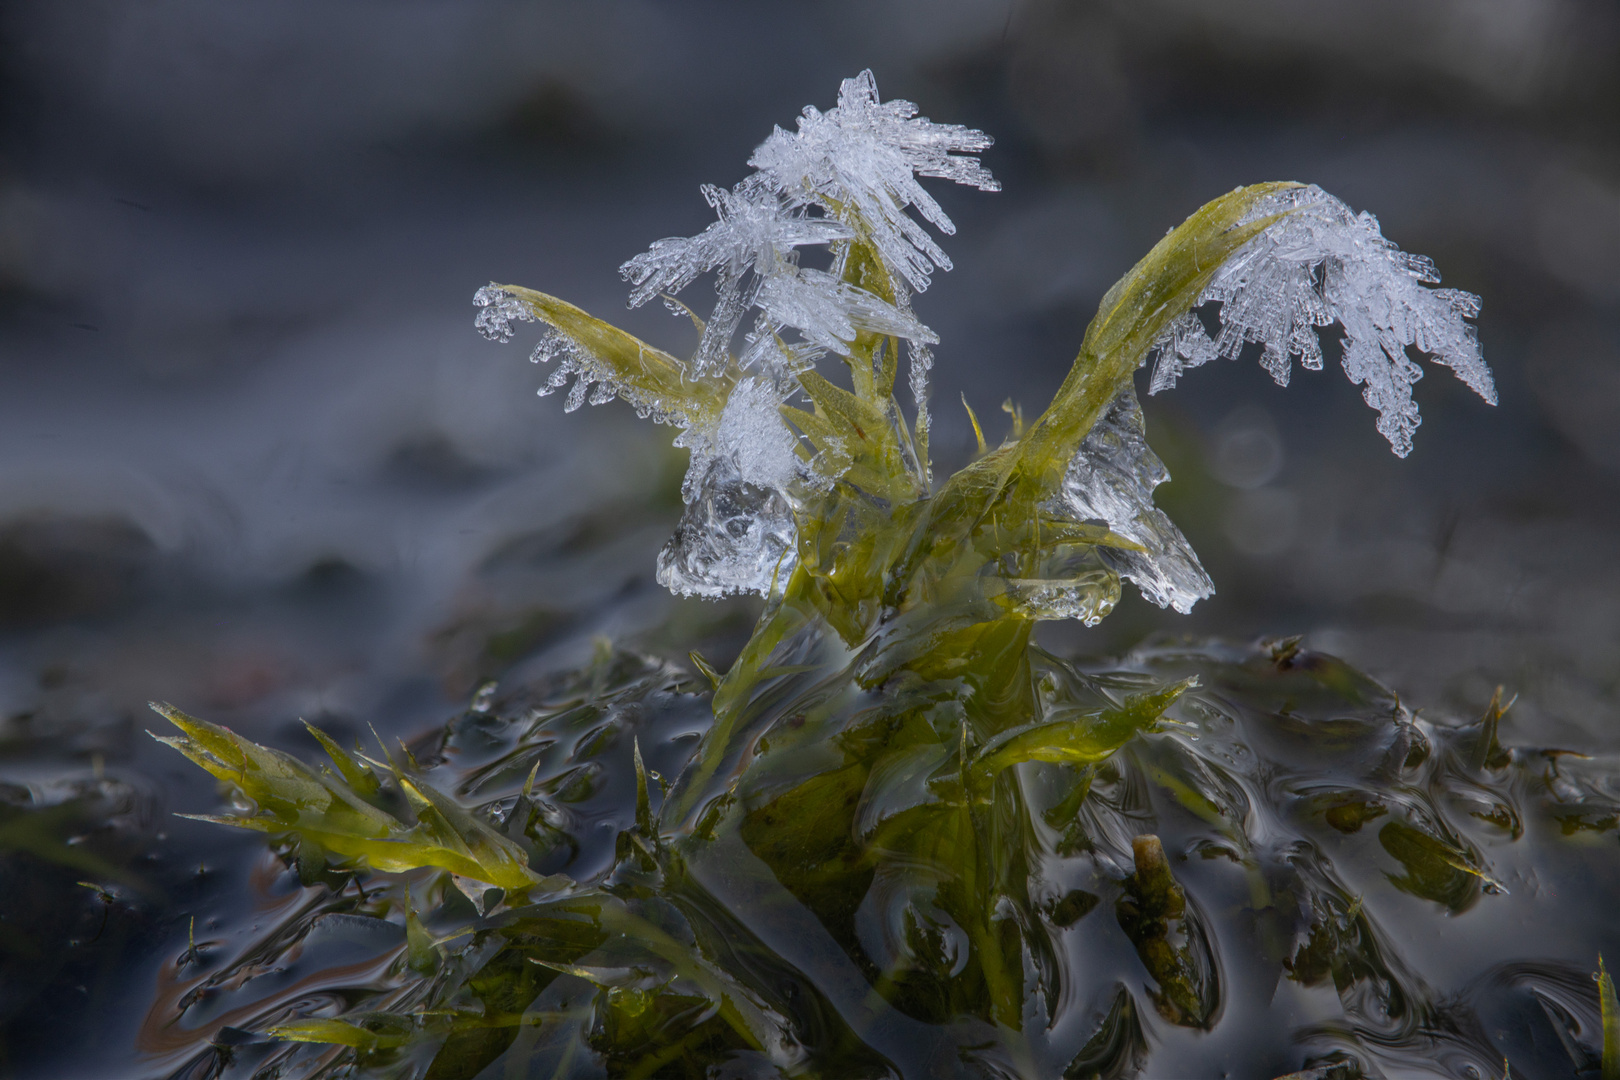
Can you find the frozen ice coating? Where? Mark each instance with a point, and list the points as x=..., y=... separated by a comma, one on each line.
x=594, y=381
x=773, y=446
x=578, y=364
x=1111, y=479
x=1084, y=596
x=1322, y=263
x=756, y=439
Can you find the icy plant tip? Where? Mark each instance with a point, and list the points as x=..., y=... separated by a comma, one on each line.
x=818, y=493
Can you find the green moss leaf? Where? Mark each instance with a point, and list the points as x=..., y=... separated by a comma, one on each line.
x=323, y=810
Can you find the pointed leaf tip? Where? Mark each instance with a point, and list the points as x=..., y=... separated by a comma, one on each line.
x=643, y=803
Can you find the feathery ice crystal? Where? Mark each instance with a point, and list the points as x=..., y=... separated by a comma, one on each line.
x=1322, y=263
x=1292, y=259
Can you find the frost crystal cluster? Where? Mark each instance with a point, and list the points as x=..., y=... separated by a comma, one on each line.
x=1321, y=264
x=800, y=487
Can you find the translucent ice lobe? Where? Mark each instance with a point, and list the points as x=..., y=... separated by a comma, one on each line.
x=738, y=531
x=1321, y=264
x=735, y=537
x=1111, y=479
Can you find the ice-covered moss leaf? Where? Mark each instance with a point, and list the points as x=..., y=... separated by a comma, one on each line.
x=322, y=809
x=995, y=506
x=1322, y=263
x=1111, y=479
x=591, y=351
x=498, y=309
x=1133, y=315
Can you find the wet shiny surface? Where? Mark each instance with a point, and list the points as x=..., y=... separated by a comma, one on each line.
x=1349, y=881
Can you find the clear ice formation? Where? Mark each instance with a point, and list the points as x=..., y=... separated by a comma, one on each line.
x=1110, y=480
x=737, y=534
x=735, y=537
x=1322, y=263
x=855, y=168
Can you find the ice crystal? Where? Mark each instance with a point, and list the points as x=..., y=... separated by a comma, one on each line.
x=919, y=362
x=856, y=165
x=1110, y=480
x=1319, y=264
x=829, y=312
x=756, y=231
x=753, y=435
x=499, y=310
x=865, y=155
x=850, y=173
x=765, y=350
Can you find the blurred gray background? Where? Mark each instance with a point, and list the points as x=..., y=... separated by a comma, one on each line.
x=255, y=461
